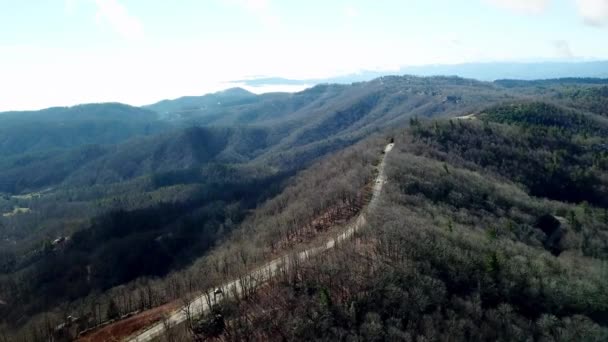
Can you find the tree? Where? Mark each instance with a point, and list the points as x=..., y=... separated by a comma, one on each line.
x=372, y=328
x=212, y=325
x=112, y=311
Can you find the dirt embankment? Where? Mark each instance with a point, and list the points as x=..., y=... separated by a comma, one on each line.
x=120, y=330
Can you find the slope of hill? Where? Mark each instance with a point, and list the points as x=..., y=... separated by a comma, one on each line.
x=287, y=130
x=204, y=171
x=284, y=131
x=70, y=127
x=325, y=117
x=274, y=108
x=229, y=97
x=463, y=246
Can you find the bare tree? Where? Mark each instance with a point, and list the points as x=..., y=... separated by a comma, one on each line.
x=169, y=331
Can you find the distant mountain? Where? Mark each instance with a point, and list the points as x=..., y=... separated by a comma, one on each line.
x=205, y=102
x=281, y=131
x=93, y=164
x=304, y=125
x=86, y=145
x=479, y=71
x=521, y=71
x=70, y=127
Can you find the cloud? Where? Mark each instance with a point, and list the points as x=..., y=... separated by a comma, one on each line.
x=351, y=12
x=562, y=49
x=521, y=6
x=118, y=18
x=69, y=6
x=261, y=9
x=257, y=5
x=594, y=12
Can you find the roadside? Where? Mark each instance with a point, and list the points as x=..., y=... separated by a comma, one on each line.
x=128, y=326
x=235, y=288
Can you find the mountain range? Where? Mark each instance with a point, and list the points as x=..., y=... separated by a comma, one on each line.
x=99, y=200
x=489, y=71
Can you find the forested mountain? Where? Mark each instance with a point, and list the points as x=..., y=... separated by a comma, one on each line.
x=70, y=127
x=209, y=102
x=480, y=71
x=493, y=227
x=94, y=164
x=388, y=95
x=112, y=196
x=282, y=130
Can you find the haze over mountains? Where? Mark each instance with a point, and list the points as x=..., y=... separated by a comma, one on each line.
x=489, y=71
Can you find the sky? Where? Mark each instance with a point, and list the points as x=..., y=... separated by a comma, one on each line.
x=65, y=52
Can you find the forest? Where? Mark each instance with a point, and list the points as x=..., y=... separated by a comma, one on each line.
x=464, y=247
x=493, y=221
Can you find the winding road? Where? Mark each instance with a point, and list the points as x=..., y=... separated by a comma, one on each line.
x=201, y=304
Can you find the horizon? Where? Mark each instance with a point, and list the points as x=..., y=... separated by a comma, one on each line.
x=304, y=84
x=67, y=52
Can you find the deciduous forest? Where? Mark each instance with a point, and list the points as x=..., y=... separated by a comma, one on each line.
x=492, y=223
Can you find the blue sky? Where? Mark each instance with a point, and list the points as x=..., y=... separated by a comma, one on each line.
x=63, y=52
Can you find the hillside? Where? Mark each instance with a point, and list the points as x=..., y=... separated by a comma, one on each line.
x=390, y=94
x=219, y=182
x=465, y=246
x=329, y=116
x=88, y=144
x=105, y=143
x=71, y=127
x=209, y=102
x=95, y=164
x=265, y=170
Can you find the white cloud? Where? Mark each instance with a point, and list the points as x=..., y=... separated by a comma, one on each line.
x=594, y=12
x=69, y=6
x=70, y=76
x=257, y=5
x=562, y=49
x=261, y=9
x=351, y=12
x=522, y=6
x=118, y=18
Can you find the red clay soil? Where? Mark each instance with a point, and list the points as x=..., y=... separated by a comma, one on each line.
x=336, y=215
x=121, y=329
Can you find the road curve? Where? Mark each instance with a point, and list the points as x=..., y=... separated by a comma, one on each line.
x=260, y=275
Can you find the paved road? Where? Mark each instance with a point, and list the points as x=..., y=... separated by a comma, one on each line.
x=236, y=287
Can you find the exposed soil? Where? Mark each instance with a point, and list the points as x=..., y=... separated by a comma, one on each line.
x=122, y=329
